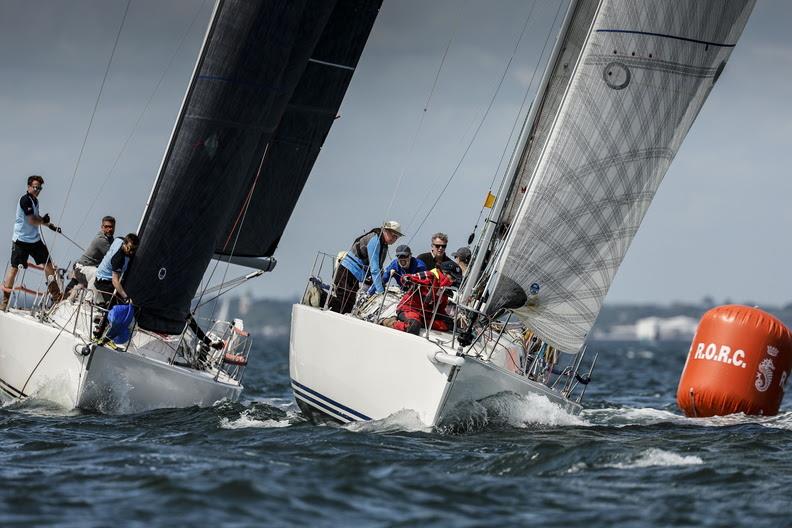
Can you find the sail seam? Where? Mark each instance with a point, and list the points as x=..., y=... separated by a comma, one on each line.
x=333, y=64
x=663, y=35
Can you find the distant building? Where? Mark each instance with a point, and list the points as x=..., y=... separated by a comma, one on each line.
x=622, y=332
x=666, y=329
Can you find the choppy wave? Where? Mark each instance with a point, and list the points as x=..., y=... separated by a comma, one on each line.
x=260, y=414
x=658, y=457
x=628, y=417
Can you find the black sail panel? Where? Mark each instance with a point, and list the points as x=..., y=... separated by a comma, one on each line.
x=262, y=213
x=252, y=61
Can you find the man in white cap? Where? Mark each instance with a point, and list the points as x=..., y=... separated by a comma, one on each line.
x=364, y=258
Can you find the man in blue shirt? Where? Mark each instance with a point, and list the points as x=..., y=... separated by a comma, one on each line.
x=26, y=241
x=403, y=264
x=109, y=274
x=364, y=258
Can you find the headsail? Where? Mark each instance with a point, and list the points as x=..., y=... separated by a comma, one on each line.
x=244, y=104
x=644, y=73
x=302, y=130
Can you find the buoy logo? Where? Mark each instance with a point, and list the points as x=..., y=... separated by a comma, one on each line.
x=764, y=375
x=722, y=354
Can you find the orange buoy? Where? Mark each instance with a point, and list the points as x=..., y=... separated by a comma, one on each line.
x=739, y=361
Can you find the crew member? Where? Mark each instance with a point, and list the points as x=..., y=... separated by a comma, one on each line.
x=437, y=255
x=109, y=274
x=84, y=270
x=403, y=264
x=26, y=241
x=462, y=258
x=426, y=303
x=364, y=258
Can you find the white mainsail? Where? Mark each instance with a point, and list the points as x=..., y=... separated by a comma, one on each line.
x=645, y=71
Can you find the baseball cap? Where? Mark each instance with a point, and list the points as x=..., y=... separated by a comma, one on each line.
x=463, y=253
x=403, y=251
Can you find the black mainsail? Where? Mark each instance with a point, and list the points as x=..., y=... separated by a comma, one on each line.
x=266, y=88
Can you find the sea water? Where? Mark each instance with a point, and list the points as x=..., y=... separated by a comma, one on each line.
x=630, y=459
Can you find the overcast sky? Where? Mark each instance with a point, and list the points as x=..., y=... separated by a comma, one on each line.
x=719, y=225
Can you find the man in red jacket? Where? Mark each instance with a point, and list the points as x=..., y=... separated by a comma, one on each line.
x=426, y=302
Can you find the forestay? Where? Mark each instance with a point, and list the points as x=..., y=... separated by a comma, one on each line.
x=644, y=73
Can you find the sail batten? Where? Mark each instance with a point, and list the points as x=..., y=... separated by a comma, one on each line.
x=642, y=75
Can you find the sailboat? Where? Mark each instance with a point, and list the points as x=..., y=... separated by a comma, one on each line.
x=623, y=85
x=266, y=88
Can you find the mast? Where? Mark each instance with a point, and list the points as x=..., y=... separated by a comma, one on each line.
x=512, y=170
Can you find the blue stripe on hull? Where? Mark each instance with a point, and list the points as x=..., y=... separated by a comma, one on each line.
x=317, y=399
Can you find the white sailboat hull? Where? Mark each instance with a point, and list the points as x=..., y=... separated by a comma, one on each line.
x=352, y=370
x=39, y=360
x=119, y=383
x=42, y=361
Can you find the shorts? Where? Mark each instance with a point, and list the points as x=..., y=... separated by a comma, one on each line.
x=21, y=251
x=84, y=275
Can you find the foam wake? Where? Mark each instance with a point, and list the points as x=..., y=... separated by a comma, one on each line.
x=509, y=410
x=406, y=420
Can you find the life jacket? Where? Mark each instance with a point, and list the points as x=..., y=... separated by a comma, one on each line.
x=360, y=250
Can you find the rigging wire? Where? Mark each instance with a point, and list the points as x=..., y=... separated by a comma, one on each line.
x=93, y=115
x=239, y=221
x=414, y=138
x=478, y=129
x=134, y=130
x=519, y=113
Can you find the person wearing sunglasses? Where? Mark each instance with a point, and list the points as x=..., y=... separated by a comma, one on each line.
x=26, y=241
x=84, y=270
x=403, y=264
x=437, y=255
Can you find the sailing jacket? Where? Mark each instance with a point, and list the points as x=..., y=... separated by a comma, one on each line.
x=414, y=267
x=427, y=295
x=429, y=260
x=359, y=262
x=24, y=231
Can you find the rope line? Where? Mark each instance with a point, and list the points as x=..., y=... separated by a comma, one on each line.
x=140, y=118
x=241, y=222
x=478, y=129
x=93, y=115
x=519, y=113
x=414, y=138
x=62, y=328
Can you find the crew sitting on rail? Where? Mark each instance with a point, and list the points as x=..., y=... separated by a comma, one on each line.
x=84, y=270
x=366, y=255
x=426, y=303
x=403, y=264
